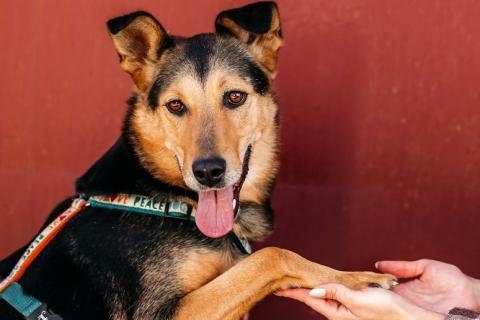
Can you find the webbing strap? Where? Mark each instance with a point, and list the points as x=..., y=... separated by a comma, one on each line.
x=18, y=299
x=41, y=241
x=145, y=205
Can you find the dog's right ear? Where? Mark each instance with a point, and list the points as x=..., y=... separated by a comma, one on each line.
x=139, y=40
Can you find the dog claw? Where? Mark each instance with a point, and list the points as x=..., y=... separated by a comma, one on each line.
x=389, y=285
x=374, y=285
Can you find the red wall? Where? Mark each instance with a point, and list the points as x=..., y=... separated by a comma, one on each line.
x=380, y=122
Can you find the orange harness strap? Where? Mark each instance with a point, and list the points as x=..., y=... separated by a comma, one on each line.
x=41, y=241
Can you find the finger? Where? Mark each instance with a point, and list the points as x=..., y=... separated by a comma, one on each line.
x=402, y=269
x=405, y=291
x=335, y=292
x=329, y=308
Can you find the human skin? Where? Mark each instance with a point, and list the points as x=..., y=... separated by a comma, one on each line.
x=435, y=288
x=337, y=302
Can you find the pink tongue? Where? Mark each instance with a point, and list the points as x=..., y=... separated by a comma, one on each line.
x=214, y=216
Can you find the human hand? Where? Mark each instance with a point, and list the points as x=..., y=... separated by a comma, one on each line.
x=438, y=286
x=341, y=303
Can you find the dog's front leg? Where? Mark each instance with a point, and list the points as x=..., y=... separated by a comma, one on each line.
x=235, y=292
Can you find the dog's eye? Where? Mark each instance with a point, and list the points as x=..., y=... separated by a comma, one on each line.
x=176, y=107
x=233, y=99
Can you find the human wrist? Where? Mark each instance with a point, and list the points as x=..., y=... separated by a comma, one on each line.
x=417, y=313
x=429, y=315
x=476, y=291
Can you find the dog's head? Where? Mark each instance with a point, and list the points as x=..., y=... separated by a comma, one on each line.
x=204, y=115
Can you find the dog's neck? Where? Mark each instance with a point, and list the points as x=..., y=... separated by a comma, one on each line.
x=119, y=171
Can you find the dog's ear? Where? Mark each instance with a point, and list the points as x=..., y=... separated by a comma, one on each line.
x=139, y=40
x=257, y=25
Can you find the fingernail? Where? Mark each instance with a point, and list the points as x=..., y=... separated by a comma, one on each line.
x=318, y=293
x=376, y=265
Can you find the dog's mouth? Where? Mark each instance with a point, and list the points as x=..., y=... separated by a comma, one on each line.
x=217, y=209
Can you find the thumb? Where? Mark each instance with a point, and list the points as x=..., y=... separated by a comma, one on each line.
x=403, y=269
x=331, y=309
x=334, y=291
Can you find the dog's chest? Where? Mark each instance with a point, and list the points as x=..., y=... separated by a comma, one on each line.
x=165, y=281
x=201, y=266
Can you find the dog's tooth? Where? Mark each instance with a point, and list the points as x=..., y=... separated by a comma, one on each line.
x=234, y=202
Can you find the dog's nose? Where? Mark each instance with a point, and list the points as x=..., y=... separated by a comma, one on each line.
x=210, y=171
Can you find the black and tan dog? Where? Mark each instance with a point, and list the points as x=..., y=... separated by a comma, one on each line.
x=201, y=128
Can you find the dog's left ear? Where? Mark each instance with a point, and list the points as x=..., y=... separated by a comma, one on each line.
x=257, y=25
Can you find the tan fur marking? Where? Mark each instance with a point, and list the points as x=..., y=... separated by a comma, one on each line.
x=201, y=266
x=153, y=153
x=264, y=161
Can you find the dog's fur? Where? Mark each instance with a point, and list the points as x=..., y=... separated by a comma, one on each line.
x=121, y=265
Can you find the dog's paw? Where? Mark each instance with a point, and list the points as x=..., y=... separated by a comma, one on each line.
x=360, y=280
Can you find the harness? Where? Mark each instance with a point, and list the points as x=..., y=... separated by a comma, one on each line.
x=33, y=309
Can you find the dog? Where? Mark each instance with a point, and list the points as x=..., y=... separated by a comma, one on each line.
x=201, y=130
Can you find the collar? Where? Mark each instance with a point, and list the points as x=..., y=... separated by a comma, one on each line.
x=151, y=206
x=143, y=204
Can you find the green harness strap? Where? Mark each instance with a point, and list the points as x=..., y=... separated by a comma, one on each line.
x=18, y=299
x=166, y=210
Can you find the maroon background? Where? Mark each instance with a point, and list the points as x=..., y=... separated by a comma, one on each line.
x=380, y=122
